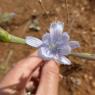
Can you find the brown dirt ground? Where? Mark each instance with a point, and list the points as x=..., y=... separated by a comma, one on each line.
x=79, y=78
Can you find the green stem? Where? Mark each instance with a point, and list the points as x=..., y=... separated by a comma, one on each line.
x=84, y=55
x=6, y=37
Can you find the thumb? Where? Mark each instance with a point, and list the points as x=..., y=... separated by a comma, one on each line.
x=49, y=79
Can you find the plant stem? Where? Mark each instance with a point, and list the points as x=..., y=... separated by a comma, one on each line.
x=83, y=55
x=6, y=37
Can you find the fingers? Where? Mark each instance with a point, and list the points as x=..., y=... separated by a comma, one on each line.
x=19, y=75
x=30, y=63
x=49, y=79
x=36, y=73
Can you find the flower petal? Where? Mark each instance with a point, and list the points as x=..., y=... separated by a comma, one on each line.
x=56, y=26
x=56, y=29
x=45, y=53
x=45, y=36
x=74, y=44
x=66, y=37
x=32, y=41
x=63, y=60
x=64, y=50
x=46, y=39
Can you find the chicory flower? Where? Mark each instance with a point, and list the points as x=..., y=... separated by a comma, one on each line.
x=54, y=45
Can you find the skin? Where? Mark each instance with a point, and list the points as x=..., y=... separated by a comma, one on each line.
x=28, y=72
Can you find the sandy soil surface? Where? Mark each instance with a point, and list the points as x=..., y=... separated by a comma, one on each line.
x=79, y=19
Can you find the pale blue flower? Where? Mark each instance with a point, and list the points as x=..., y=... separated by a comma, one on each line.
x=54, y=45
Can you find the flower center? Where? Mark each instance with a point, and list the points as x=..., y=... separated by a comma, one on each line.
x=52, y=46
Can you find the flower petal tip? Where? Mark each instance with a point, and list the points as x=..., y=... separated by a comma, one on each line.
x=32, y=41
x=63, y=60
x=74, y=44
x=57, y=26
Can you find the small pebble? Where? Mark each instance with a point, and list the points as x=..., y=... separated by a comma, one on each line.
x=90, y=77
x=82, y=9
x=76, y=81
x=83, y=60
x=93, y=29
x=76, y=13
x=93, y=84
x=58, y=9
x=85, y=76
x=34, y=11
x=63, y=5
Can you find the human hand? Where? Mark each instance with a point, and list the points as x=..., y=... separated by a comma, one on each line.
x=28, y=72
